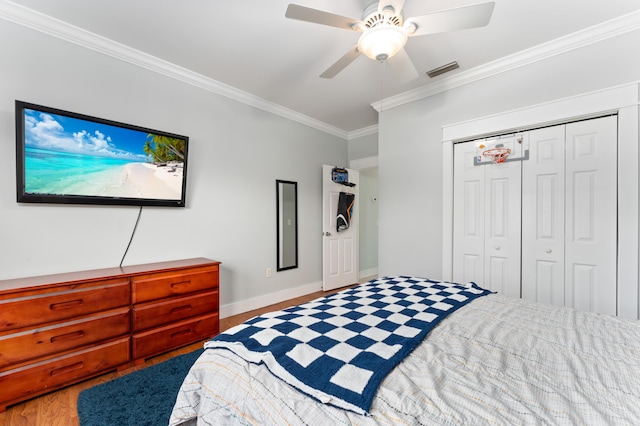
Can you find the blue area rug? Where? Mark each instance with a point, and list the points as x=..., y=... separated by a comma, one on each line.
x=144, y=397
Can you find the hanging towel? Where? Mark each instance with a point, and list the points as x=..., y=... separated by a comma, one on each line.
x=345, y=208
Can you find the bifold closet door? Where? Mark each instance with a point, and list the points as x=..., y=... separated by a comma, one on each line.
x=543, y=216
x=545, y=228
x=486, y=222
x=468, y=216
x=569, y=216
x=591, y=215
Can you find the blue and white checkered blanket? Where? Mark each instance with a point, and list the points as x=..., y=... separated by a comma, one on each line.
x=339, y=348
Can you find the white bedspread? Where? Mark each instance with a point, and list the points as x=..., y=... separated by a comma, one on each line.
x=496, y=361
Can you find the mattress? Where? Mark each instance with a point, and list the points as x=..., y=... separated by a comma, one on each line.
x=494, y=361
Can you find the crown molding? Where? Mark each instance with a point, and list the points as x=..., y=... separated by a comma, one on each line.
x=51, y=26
x=46, y=24
x=365, y=131
x=609, y=29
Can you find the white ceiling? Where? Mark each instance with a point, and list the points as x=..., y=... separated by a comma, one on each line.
x=250, y=45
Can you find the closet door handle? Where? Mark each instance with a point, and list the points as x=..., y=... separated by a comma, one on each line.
x=497, y=247
x=548, y=250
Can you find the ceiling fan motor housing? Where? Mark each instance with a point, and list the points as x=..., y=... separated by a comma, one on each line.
x=372, y=17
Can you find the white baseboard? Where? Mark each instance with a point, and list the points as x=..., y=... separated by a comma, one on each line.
x=371, y=272
x=267, y=299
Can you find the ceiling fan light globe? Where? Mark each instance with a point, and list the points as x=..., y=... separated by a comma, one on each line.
x=382, y=42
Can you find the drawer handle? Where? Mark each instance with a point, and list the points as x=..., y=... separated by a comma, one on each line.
x=67, y=369
x=68, y=336
x=177, y=286
x=181, y=309
x=181, y=333
x=65, y=305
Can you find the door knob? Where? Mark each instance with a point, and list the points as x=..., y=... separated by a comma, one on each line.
x=328, y=234
x=548, y=250
x=497, y=247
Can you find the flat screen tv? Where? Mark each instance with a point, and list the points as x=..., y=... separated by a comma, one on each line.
x=64, y=157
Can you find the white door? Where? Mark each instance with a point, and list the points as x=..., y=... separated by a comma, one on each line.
x=503, y=225
x=591, y=215
x=339, y=249
x=569, y=208
x=468, y=216
x=486, y=221
x=543, y=217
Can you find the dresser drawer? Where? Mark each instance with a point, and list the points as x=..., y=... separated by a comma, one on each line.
x=153, y=314
x=40, y=309
x=51, y=374
x=45, y=341
x=165, y=338
x=166, y=284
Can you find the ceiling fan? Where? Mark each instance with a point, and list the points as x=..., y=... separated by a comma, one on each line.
x=385, y=31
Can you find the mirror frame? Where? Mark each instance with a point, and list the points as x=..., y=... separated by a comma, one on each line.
x=284, y=237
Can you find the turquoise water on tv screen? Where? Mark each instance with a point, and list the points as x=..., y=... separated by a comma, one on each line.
x=64, y=173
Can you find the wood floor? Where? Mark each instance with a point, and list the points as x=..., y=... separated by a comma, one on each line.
x=59, y=408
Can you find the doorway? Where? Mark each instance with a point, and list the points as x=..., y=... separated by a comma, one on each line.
x=368, y=238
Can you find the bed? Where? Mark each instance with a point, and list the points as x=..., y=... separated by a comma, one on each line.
x=488, y=360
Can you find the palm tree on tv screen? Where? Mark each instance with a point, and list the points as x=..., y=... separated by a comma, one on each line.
x=164, y=148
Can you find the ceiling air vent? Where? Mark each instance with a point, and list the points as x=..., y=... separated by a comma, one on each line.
x=443, y=69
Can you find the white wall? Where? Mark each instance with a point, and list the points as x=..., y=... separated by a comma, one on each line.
x=236, y=153
x=363, y=146
x=410, y=141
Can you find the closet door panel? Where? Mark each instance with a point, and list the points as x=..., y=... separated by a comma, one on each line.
x=583, y=201
x=503, y=221
x=486, y=222
x=546, y=287
x=543, y=195
x=502, y=224
x=591, y=215
x=472, y=268
x=583, y=288
x=468, y=217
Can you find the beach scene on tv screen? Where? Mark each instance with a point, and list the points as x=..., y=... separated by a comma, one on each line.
x=71, y=156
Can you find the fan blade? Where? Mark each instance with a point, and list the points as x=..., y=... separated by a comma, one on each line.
x=341, y=64
x=477, y=15
x=395, y=4
x=316, y=16
x=403, y=67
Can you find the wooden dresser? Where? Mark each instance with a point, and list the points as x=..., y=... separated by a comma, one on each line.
x=59, y=329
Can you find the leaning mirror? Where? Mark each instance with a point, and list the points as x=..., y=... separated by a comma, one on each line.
x=287, y=222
